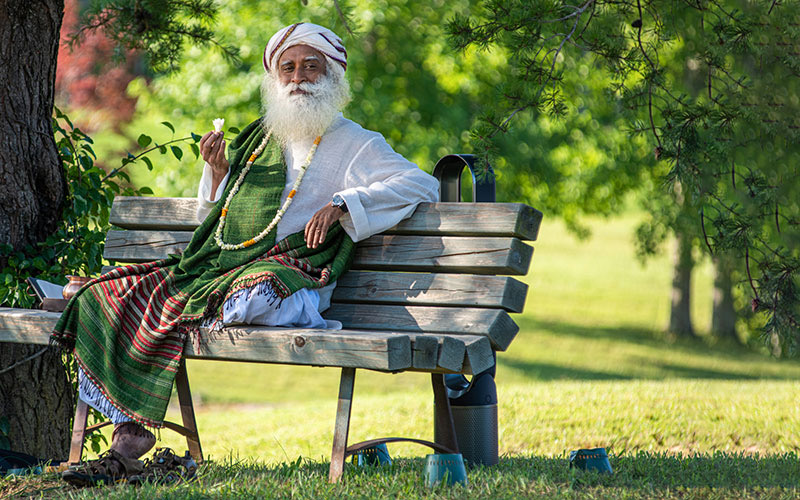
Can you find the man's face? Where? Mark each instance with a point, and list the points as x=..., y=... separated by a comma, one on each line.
x=300, y=64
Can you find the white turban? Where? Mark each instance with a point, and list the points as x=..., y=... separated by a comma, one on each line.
x=315, y=36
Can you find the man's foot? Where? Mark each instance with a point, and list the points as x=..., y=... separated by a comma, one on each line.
x=131, y=440
x=110, y=468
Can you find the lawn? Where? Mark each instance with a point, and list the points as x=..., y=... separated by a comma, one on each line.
x=590, y=367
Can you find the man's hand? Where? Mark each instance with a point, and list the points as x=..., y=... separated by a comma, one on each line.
x=317, y=227
x=212, y=148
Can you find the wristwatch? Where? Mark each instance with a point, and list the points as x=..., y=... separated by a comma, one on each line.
x=338, y=202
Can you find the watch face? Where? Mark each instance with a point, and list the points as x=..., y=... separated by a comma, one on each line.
x=338, y=202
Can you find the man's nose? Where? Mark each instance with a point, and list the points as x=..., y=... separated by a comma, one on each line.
x=299, y=75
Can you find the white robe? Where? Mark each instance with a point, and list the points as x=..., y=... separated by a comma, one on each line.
x=379, y=186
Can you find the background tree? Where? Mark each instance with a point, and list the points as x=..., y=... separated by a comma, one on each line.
x=732, y=147
x=36, y=393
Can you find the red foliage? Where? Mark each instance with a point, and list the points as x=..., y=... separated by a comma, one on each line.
x=88, y=78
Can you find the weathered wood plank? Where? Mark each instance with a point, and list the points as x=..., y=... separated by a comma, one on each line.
x=376, y=350
x=140, y=212
x=454, y=219
x=451, y=353
x=419, y=289
x=450, y=254
x=26, y=326
x=479, y=355
x=472, y=219
x=495, y=324
x=342, y=426
x=371, y=350
x=426, y=289
x=358, y=349
x=144, y=246
x=425, y=351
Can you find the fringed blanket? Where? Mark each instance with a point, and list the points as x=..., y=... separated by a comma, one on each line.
x=128, y=327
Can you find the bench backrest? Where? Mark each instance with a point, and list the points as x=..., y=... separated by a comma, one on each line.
x=444, y=270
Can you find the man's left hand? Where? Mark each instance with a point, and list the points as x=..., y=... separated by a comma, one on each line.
x=317, y=227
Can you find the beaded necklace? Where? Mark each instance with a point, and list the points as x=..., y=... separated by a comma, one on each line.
x=278, y=214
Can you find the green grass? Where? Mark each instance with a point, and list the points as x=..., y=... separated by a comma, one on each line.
x=590, y=367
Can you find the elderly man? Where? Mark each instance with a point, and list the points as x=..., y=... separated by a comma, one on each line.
x=280, y=208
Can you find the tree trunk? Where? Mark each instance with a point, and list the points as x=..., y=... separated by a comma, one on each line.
x=680, y=317
x=32, y=184
x=36, y=396
x=723, y=318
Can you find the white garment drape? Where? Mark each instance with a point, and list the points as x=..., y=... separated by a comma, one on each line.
x=379, y=186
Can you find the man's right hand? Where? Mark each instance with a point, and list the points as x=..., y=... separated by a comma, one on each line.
x=212, y=148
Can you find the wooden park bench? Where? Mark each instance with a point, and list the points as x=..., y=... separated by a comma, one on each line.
x=429, y=295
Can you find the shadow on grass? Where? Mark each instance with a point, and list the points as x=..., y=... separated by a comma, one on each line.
x=537, y=370
x=644, y=475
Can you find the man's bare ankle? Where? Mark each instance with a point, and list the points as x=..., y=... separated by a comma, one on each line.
x=131, y=440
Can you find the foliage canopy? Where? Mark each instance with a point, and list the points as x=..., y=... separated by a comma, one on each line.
x=712, y=84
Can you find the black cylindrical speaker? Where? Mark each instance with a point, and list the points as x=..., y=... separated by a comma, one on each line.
x=474, y=409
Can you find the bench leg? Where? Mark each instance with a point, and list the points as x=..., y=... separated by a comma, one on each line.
x=78, y=432
x=187, y=413
x=342, y=427
x=446, y=430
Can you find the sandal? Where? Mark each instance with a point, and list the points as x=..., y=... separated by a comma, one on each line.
x=110, y=468
x=166, y=468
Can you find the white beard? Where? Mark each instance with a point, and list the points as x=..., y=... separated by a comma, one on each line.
x=297, y=117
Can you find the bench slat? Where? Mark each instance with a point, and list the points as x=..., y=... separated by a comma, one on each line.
x=26, y=326
x=448, y=254
x=421, y=289
x=359, y=349
x=427, y=289
x=453, y=219
x=371, y=350
x=495, y=324
x=380, y=252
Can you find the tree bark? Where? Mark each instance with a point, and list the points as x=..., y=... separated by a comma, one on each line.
x=36, y=396
x=32, y=184
x=723, y=317
x=680, y=316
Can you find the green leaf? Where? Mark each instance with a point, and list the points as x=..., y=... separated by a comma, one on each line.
x=169, y=126
x=145, y=190
x=89, y=149
x=233, y=130
x=196, y=137
x=144, y=140
x=147, y=162
x=178, y=152
x=195, y=150
x=162, y=150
